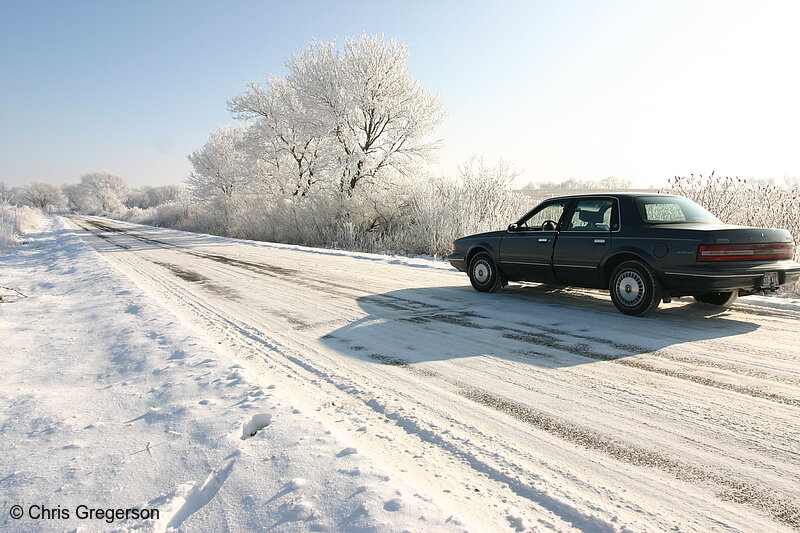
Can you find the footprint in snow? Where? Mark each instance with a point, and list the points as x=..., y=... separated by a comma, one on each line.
x=302, y=511
x=393, y=505
x=187, y=499
x=360, y=490
x=178, y=354
x=255, y=424
x=347, y=451
x=292, y=486
x=519, y=522
x=296, y=483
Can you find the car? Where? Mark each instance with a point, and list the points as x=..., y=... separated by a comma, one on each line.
x=644, y=248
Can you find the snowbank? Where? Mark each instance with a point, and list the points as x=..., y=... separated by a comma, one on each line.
x=15, y=221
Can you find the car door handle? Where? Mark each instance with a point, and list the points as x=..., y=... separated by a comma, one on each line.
x=544, y=240
x=599, y=241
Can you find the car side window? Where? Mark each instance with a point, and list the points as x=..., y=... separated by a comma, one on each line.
x=544, y=219
x=591, y=215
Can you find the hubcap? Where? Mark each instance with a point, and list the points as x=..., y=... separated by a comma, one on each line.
x=482, y=272
x=630, y=288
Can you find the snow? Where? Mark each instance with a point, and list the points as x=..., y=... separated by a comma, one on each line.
x=237, y=385
x=111, y=402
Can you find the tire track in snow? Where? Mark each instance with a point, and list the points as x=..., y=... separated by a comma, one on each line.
x=296, y=276
x=547, y=339
x=735, y=429
x=782, y=509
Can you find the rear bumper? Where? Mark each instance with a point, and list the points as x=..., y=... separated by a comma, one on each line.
x=458, y=260
x=726, y=277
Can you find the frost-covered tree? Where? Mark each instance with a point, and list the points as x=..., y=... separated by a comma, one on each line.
x=109, y=190
x=219, y=169
x=288, y=150
x=98, y=193
x=327, y=154
x=40, y=195
x=348, y=115
x=378, y=115
x=5, y=193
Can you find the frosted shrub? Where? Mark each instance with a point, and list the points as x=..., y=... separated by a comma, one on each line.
x=479, y=199
x=172, y=215
x=720, y=195
x=7, y=224
x=737, y=201
x=177, y=211
x=15, y=221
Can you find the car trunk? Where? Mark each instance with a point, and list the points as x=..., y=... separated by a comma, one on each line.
x=737, y=243
x=740, y=243
x=731, y=234
x=744, y=235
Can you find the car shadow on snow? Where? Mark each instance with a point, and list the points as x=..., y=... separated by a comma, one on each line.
x=536, y=324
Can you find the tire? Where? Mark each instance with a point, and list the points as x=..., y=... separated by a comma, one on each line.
x=484, y=274
x=634, y=288
x=719, y=300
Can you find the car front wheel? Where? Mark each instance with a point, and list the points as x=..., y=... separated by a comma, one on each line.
x=634, y=289
x=483, y=273
x=717, y=299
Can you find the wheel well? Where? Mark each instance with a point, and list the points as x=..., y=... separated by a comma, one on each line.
x=615, y=261
x=474, y=251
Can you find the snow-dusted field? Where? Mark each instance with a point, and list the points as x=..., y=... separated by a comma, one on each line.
x=236, y=385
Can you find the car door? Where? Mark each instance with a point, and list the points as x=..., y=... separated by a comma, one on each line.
x=584, y=240
x=526, y=251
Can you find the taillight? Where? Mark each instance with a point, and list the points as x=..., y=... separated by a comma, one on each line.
x=744, y=252
x=454, y=247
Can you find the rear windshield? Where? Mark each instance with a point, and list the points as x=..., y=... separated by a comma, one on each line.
x=671, y=210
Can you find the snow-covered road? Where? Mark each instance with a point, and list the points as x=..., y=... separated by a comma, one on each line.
x=534, y=408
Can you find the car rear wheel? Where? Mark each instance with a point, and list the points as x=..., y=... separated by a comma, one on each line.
x=717, y=299
x=483, y=273
x=634, y=289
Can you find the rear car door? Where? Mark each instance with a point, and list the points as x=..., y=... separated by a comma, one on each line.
x=527, y=251
x=584, y=240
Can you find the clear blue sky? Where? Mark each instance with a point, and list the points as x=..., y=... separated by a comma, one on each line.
x=636, y=89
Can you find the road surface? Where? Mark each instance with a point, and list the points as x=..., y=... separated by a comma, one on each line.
x=533, y=408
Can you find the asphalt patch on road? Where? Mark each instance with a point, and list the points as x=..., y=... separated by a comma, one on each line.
x=203, y=281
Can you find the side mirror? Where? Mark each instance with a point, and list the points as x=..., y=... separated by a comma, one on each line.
x=513, y=227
